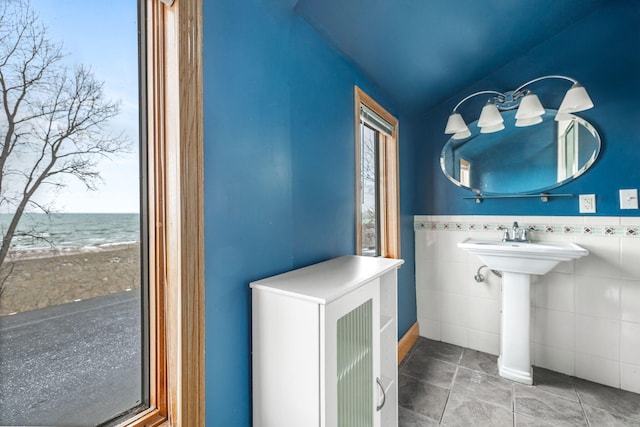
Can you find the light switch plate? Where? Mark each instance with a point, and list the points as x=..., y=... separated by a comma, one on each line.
x=587, y=203
x=629, y=199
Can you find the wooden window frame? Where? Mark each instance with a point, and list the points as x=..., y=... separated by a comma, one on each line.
x=174, y=93
x=389, y=180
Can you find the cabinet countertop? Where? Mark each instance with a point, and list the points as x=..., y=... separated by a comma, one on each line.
x=328, y=280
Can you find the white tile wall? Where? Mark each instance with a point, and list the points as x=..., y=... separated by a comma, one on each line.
x=630, y=340
x=630, y=297
x=597, y=369
x=597, y=337
x=484, y=315
x=630, y=377
x=597, y=296
x=630, y=258
x=554, y=329
x=483, y=341
x=556, y=292
x=585, y=313
x=455, y=309
x=556, y=359
x=455, y=334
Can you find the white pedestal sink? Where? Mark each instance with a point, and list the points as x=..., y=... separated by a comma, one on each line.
x=517, y=261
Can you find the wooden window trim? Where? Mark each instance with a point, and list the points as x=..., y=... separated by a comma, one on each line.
x=389, y=179
x=174, y=92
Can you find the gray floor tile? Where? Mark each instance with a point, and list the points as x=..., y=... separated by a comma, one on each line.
x=479, y=361
x=610, y=399
x=421, y=397
x=404, y=361
x=484, y=387
x=465, y=411
x=479, y=397
x=601, y=418
x=548, y=407
x=431, y=370
x=408, y=418
x=554, y=382
x=525, y=421
x=439, y=350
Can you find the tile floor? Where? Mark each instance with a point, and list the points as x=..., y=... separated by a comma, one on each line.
x=443, y=384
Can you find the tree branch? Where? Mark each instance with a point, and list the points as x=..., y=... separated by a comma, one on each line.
x=57, y=119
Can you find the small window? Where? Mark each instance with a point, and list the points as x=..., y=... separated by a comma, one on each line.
x=377, y=200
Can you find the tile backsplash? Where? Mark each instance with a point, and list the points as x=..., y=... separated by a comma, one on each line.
x=585, y=313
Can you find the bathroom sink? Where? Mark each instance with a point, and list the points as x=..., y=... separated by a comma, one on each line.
x=522, y=257
x=518, y=261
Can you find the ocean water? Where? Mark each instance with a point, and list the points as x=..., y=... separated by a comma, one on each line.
x=67, y=231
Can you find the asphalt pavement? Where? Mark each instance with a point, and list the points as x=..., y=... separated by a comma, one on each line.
x=75, y=364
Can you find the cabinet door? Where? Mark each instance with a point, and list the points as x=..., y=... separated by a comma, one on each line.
x=352, y=358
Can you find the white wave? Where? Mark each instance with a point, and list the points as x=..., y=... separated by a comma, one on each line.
x=26, y=254
x=119, y=244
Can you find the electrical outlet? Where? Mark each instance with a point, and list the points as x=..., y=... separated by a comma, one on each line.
x=587, y=203
x=629, y=199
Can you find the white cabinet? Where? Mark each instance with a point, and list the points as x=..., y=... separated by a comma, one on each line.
x=325, y=345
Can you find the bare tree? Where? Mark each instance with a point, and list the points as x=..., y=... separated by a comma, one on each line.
x=369, y=176
x=53, y=119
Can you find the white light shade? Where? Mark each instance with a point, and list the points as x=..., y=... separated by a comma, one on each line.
x=455, y=124
x=529, y=122
x=560, y=117
x=530, y=107
x=576, y=99
x=462, y=135
x=490, y=116
x=491, y=129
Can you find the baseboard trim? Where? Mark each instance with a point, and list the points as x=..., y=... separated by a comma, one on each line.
x=407, y=341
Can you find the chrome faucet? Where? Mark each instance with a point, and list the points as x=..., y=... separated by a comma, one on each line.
x=516, y=234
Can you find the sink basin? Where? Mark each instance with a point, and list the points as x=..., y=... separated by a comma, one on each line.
x=518, y=261
x=521, y=257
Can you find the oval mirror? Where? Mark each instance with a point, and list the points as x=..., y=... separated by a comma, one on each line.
x=521, y=160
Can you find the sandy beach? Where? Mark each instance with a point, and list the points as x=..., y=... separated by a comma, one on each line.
x=53, y=278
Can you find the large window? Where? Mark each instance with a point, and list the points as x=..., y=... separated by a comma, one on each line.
x=173, y=43
x=73, y=292
x=134, y=354
x=377, y=199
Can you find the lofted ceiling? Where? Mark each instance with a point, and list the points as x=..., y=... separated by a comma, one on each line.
x=424, y=51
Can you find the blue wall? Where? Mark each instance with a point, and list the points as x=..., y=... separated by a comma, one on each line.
x=279, y=175
x=602, y=52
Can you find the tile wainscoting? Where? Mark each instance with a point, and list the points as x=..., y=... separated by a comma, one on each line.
x=585, y=313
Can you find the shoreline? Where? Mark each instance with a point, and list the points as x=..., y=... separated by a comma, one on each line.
x=39, y=253
x=43, y=278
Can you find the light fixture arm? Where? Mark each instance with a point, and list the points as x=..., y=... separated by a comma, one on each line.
x=574, y=81
x=483, y=92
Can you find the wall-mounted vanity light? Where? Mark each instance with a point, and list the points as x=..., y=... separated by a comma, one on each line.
x=530, y=110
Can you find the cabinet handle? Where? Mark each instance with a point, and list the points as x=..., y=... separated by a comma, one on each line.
x=384, y=396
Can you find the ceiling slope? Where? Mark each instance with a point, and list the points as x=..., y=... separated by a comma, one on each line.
x=423, y=51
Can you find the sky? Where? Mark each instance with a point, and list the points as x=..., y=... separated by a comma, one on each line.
x=104, y=36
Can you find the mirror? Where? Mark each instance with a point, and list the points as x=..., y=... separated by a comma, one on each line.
x=521, y=160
